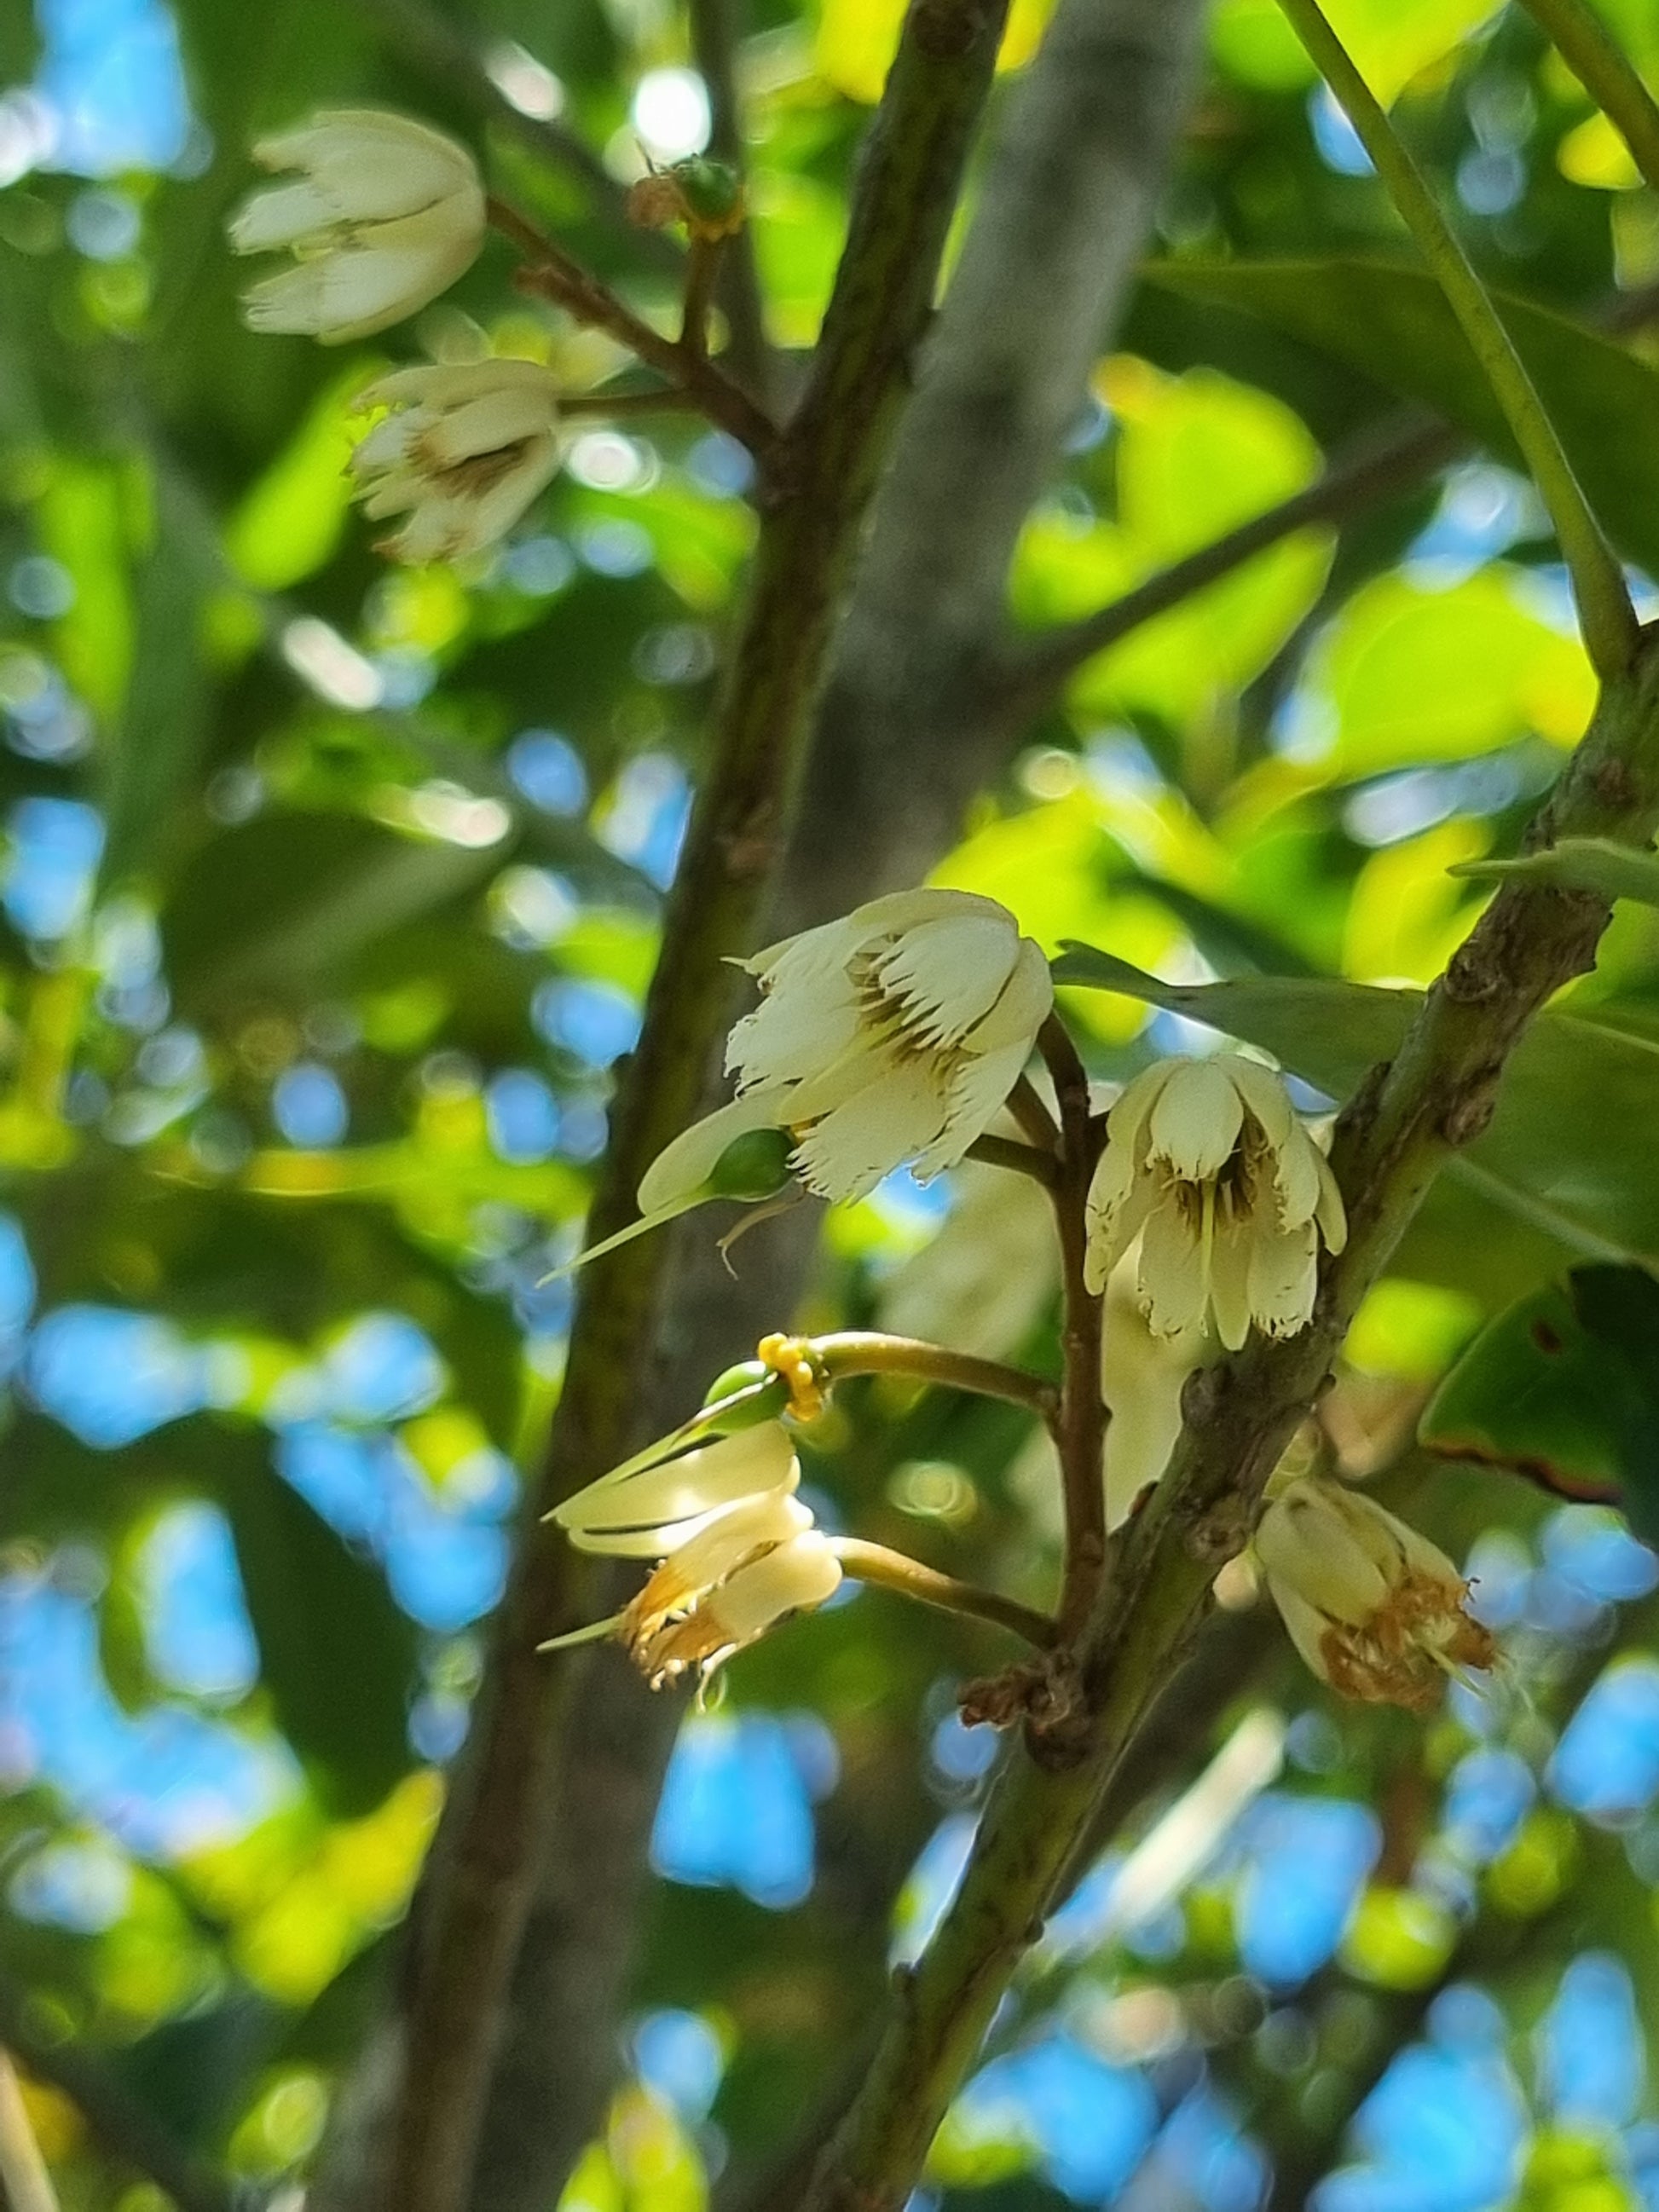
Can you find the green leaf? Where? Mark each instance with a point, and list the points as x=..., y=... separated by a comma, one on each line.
x=1392, y=40
x=1579, y=864
x=1392, y=323
x=290, y=519
x=290, y=897
x=1565, y=1388
x=1195, y=455
x=337, y=1657
x=156, y=750
x=1569, y=1152
x=1412, y=673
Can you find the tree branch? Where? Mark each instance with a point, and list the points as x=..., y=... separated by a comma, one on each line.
x=1060, y=226
x=1396, y=459
x=1404, y=1122
x=738, y=289
x=472, y=1908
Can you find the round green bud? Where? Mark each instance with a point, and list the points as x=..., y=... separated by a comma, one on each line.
x=711, y=189
x=756, y=1393
x=753, y=1166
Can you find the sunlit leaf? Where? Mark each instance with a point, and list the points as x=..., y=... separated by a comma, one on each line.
x=1394, y=41
x=1565, y=1388
x=1412, y=673
x=1391, y=323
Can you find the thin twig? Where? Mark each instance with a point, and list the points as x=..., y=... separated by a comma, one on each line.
x=1591, y=52
x=714, y=50
x=871, y=1351
x=550, y=272
x=1397, y=459
x=702, y=271
x=1022, y=1159
x=1606, y=615
x=896, y=1570
x=1029, y=1108
x=1081, y=1431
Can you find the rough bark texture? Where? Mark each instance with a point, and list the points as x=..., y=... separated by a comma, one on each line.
x=482, y=1875
x=1068, y=196
x=904, y=737
x=1392, y=1139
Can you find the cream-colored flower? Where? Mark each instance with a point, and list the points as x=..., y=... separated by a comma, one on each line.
x=1375, y=1609
x=462, y=453
x=1142, y=1378
x=896, y=1033
x=384, y=214
x=1206, y=1162
x=737, y=1549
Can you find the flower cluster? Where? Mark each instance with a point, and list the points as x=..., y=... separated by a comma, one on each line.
x=382, y=215
x=894, y=1034
x=1375, y=1609
x=736, y=1549
x=1207, y=1163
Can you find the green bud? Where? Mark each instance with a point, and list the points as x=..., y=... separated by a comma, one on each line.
x=746, y=1395
x=711, y=189
x=753, y=1166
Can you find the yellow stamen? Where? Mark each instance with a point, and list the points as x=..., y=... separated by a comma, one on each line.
x=791, y=1358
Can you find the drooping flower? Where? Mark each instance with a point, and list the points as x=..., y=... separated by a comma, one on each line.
x=1206, y=1162
x=737, y=1548
x=895, y=1034
x=384, y=214
x=462, y=453
x=1143, y=1376
x=1375, y=1609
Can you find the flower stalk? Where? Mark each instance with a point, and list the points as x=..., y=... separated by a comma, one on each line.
x=867, y=1351
x=883, y=1569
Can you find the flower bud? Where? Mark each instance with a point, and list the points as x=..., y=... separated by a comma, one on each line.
x=706, y=196
x=1375, y=1609
x=384, y=214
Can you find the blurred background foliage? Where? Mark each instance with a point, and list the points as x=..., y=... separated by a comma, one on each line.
x=329, y=897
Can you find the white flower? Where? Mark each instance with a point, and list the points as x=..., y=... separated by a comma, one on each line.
x=463, y=453
x=1142, y=1378
x=737, y=1549
x=896, y=1033
x=1206, y=1162
x=385, y=214
x=1375, y=1609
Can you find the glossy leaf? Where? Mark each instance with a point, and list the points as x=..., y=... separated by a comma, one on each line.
x=1565, y=1388
x=1391, y=323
